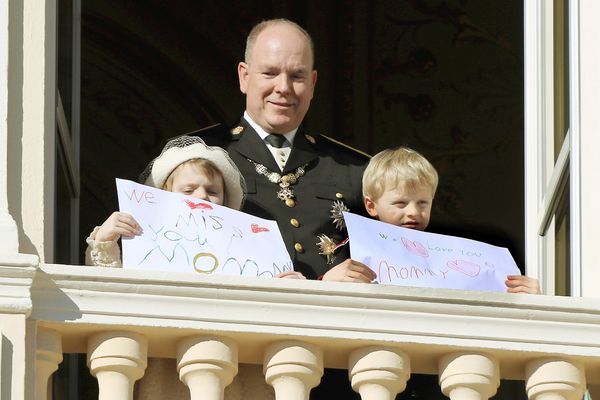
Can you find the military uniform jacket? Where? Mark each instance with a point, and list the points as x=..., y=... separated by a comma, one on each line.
x=332, y=175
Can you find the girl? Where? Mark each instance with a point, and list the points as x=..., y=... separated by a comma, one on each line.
x=186, y=165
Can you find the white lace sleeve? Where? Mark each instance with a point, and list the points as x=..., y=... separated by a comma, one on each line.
x=102, y=254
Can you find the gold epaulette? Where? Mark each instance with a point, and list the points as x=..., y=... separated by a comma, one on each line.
x=332, y=140
x=206, y=128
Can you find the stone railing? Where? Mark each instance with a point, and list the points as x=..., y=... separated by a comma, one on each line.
x=295, y=329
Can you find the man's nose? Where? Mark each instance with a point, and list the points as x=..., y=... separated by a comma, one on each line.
x=283, y=83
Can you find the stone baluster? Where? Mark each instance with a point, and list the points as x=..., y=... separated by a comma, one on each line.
x=469, y=376
x=555, y=379
x=207, y=364
x=117, y=360
x=48, y=354
x=378, y=373
x=293, y=369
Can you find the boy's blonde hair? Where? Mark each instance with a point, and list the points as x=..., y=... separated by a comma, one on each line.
x=201, y=165
x=401, y=167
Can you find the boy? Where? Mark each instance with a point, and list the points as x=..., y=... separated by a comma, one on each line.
x=398, y=188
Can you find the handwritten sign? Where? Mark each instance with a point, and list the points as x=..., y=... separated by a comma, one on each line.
x=185, y=234
x=407, y=257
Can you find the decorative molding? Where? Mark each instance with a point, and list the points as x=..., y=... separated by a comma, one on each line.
x=426, y=323
x=16, y=278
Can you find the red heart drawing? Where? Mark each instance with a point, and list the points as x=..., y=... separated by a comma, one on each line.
x=415, y=247
x=256, y=228
x=202, y=206
x=465, y=267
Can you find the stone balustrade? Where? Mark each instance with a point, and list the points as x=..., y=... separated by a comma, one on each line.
x=206, y=365
x=381, y=334
x=117, y=359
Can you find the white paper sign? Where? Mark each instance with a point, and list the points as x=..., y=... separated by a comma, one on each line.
x=407, y=257
x=185, y=234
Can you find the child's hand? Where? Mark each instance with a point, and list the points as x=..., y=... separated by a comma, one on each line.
x=350, y=271
x=290, y=275
x=522, y=284
x=117, y=225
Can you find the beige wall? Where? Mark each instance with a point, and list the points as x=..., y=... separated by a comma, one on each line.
x=13, y=356
x=589, y=32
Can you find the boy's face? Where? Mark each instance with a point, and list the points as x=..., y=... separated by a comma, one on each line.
x=402, y=207
x=192, y=181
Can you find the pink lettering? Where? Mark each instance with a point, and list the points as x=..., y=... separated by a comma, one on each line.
x=138, y=197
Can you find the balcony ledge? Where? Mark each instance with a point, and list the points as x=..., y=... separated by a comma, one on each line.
x=77, y=301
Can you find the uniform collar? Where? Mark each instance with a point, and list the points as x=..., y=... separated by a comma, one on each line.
x=303, y=152
x=251, y=146
x=263, y=134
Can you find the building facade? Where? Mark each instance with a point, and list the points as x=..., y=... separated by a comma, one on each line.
x=379, y=334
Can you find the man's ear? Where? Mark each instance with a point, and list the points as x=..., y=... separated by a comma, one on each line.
x=370, y=207
x=243, y=76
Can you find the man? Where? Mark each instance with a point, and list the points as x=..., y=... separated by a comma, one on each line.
x=303, y=181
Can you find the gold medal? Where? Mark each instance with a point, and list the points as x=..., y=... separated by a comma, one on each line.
x=337, y=215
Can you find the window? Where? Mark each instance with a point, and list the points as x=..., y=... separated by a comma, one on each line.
x=66, y=245
x=548, y=145
x=66, y=214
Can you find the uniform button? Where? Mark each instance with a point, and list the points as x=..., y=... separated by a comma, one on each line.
x=299, y=248
x=295, y=223
x=339, y=195
x=290, y=202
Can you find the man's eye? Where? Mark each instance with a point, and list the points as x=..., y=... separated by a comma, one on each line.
x=400, y=204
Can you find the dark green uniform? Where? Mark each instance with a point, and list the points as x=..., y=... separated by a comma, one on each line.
x=332, y=176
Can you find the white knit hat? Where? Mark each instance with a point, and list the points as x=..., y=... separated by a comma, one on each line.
x=184, y=148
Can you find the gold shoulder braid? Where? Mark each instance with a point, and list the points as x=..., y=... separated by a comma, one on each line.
x=285, y=192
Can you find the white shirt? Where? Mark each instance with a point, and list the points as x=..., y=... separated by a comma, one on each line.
x=280, y=155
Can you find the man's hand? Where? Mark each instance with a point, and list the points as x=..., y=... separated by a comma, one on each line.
x=117, y=225
x=522, y=284
x=350, y=271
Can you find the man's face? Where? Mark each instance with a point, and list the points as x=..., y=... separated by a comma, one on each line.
x=402, y=207
x=278, y=80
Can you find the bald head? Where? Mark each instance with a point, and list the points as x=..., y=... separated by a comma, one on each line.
x=260, y=27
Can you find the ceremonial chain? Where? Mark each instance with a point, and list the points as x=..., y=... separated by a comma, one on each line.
x=285, y=192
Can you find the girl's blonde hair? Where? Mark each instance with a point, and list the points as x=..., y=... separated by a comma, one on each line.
x=201, y=165
x=401, y=167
